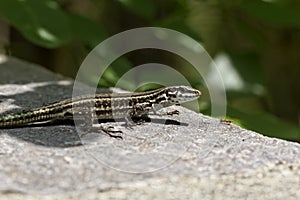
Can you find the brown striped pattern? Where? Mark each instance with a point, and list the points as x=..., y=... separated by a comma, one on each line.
x=103, y=106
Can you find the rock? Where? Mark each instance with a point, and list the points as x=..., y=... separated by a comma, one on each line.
x=189, y=156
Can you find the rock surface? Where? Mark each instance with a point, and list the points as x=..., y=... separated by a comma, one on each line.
x=189, y=156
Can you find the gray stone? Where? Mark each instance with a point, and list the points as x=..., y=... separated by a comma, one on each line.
x=189, y=156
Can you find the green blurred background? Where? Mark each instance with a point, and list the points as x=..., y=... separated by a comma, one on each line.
x=255, y=44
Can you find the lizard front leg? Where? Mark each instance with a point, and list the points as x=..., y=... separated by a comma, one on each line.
x=140, y=111
x=154, y=109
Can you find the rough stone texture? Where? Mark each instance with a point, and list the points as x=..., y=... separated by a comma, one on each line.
x=189, y=156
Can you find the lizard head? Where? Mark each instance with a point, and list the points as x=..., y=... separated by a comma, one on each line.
x=181, y=94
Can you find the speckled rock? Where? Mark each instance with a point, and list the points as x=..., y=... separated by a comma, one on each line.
x=188, y=156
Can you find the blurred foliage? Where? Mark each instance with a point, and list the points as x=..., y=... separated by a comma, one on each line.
x=46, y=25
x=261, y=39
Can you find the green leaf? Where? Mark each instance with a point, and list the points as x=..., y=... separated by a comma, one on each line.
x=144, y=8
x=178, y=24
x=86, y=30
x=272, y=13
x=40, y=21
x=248, y=66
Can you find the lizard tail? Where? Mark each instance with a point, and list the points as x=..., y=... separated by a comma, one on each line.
x=22, y=119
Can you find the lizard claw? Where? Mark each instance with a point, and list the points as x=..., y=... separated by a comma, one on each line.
x=174, y=112
x=109, y=131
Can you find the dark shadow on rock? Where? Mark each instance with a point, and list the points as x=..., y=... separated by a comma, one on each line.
x=63, y=133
